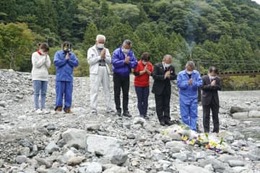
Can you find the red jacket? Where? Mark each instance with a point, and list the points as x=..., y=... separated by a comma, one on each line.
x=142, y=80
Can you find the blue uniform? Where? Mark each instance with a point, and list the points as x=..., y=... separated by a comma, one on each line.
x=188, y=95
x=64, y=78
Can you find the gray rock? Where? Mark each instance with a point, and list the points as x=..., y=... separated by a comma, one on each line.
x=157, y=155
x=175, y=146
x=51, y=147
x=56, y=170
x=25, y=151
x=139, y=120
x=94, y=167
x=21, y=159
x=3, y=104
x=75, y=138
x=76, y=160
x=19, y=96
x=234, y=163
x=43, y=162
x=240, y=115
x=139, y=171
x=92, y=127
x=254, y=114
x=26, y=143
x=180, y=156
x=254, y=154
x=101, y=144
x=191, y=168
x=51, y=127
x=235, y=109
x=117, y=156
x=116, y=169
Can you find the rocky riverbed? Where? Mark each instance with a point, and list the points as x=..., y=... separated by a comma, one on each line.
x=86, y=143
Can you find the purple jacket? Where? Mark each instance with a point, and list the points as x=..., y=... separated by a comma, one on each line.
x=119, y=65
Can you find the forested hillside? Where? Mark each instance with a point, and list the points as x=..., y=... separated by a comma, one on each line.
x=225, y=33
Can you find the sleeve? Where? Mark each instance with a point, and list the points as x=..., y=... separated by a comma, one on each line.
x=205, y=86
x=48, y=61
x=198, y=82
x=116, y=60
x=38, y=61
x=133, y=61
x=173, y=75
x=73, y=61
x=182, y=84
x=92, y=57
x=108, y=57
x=58, y=60
x=218, y=84
x=156, y=73
x=137, y=70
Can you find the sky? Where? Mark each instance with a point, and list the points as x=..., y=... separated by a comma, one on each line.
x=258, y=1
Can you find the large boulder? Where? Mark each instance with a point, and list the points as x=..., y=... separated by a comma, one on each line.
x=75, y=138
x=108, y=147
x=240, y=115
x=175, y=146
x=254, y=114
x=191, y=168
x=116, y=169
x=235, y=109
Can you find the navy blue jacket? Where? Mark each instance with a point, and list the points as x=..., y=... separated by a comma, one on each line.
x=119, y=65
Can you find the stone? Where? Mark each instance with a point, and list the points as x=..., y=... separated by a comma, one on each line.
x=94, y=167
x=191, y=168
x=235, y=109
x=157, y=155
x=21, y=159
x=26, y=143
x=75, y=138
x=56, y=170
x=3, y=104
x=44, y=162
x=234, y=163
x=25, y=151
x=254, y=114
x=139, y=120
x=116, y=169
x=240, y=115
x=180, y=156
x=92, y=127
x=139, y=171
x=19, y=96
x=117, y=156
x=101, y=144
x=51, y=147
x=254, y=154
x=76, y=160
x=175, y=146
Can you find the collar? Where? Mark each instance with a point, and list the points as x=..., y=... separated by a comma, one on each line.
x=39, y=52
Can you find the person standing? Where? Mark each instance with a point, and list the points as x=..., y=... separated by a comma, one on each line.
x=163, y=73
x=188, y=82
x=40, y=64
x=142, y=74
x=99, y=58
x=65, y=61
x=123, y=61
x=210, y=99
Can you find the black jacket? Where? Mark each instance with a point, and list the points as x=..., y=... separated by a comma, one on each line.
x=210, y=92
x=160, y=83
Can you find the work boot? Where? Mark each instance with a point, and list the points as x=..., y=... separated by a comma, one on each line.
x=67, y=110
x=58, y=109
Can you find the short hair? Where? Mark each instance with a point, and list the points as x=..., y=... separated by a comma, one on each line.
x=44, y=47
x=145, y=56
x=99, y=36
x=167, y=56
x=127, y=42
x=213, y=69
x=66, y=43
x=190, y=64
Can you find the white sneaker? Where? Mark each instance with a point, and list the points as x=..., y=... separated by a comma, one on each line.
x=45, y=111
x=38, y=111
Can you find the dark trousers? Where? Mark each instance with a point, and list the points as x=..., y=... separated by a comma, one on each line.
x=142, y=97
x=214, y=107
x=163, y=106
x=121, y=82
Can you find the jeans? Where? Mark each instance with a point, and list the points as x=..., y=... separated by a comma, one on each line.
x=40, y=88
x=142, y=97
x=121, y=82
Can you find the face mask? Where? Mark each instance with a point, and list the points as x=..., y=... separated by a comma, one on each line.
x=144, y=62
x=189, y=72
x=100, y=46
x=125, y=50
x=167, y=65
